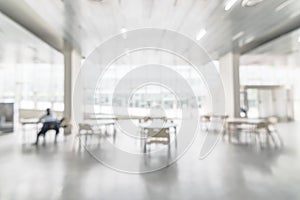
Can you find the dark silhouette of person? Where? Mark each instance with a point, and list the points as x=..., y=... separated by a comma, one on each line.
x=244, y=112
x=49, y=123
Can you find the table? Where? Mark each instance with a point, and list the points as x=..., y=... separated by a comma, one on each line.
x=251, y=125
x=151, y=126
x=146, y=127
x=126, y=117
x=90, y=128
x=25, y=122
x=142, y=120
x=207, y=119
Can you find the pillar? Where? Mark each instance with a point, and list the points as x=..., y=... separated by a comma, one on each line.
x=229, y=71
x=72, y=63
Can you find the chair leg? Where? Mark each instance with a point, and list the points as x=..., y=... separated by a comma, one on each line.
x=44, y=137
x=169, y=149
x=224, y=133
x=270, y=134
x=85, y=140
x=114, y=134
x=75, y=138
x=145, y=147
x=55, y=139
x=259, y=139
x=230, y=136
x=281, y=144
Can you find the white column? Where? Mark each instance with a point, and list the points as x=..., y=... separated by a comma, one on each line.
x=72, y=63
x=229, y=71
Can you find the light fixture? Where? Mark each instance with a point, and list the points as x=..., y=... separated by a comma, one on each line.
x=249, y=39
x=230, y=4
x=238, y=35
x=246, y=41
x=124, y=31
x=83, y=58
x=299, y=39
x=283, y=5
x=201, y=34
x=294, y=15
x=97, y=1
x=251, y=3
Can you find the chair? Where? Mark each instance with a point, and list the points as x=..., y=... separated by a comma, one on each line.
x=204, y=119
x=234, y=130
x=86, y=130
x=63, y=123
x=269, y=129
x=52, y=127
x=217, y=123
x=157, y=136
x=237, y=129
x=272, y=129
x=213, y=122
x=66, y=124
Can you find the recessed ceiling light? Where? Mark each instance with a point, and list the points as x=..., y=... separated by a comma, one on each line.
x=201, y=34
x=299, y=39
x=230, y=4
x=283, y=5
x=83, y=59
x=100, y=1
x=294, y=15
x=124, y=31
x=251, y=3
x=238, y=35
x=249, y=39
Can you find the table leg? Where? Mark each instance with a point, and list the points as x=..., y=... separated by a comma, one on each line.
x=114, y=133
x=175, y=134
x=23, y=133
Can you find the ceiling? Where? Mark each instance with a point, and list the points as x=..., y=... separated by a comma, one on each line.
x=20, y=46
x=283, y=51
x=286, y=44
x=87, y=23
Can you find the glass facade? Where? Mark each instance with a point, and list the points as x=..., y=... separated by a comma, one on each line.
x=273, y=64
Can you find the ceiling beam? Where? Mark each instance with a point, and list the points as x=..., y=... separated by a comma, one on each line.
x=20, y=12
x=273, y=34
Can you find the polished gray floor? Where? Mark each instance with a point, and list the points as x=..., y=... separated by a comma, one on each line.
x=231, y=171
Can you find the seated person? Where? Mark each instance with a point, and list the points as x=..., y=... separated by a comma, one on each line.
x=49, y=123
x=244, y=113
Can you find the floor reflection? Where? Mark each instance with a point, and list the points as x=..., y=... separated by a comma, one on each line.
x=230, y=171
